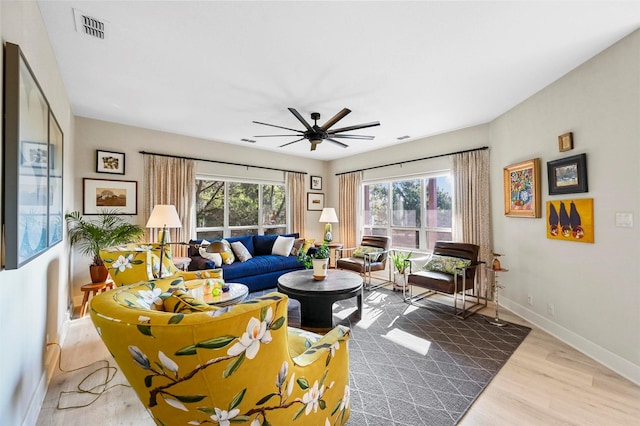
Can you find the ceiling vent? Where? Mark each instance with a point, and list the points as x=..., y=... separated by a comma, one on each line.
x=91, y=26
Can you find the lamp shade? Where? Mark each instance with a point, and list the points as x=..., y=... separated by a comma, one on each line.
x=328, y=215
x=164, y=215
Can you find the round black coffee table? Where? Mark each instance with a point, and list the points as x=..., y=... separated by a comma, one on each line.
x=317, y=297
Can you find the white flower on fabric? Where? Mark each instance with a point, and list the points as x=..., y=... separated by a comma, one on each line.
x=149, y=296
x=334, y=348
x=311, y=398
x=282, y=374
x=167, y=362
x=143, y=318
x=327, y=422
x=255, y=422
x=345, y=398
x=256, y=333
x=123, y=263
x=222, y=417
x=175, y=404
x=292, y=381
x=139, y=357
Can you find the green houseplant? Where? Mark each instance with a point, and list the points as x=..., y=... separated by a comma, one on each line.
x=89, y=236
x=401, y=262
x=319, y=261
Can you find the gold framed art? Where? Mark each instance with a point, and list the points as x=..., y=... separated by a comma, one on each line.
x=522, y=189
x=565, y=142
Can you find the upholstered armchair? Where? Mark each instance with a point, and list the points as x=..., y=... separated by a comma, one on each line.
x=132, y=263
x=452, y=269
x=191, y=363
x=370, y=255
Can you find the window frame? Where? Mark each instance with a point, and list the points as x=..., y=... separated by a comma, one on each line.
x=227, y=230
x=423, y=229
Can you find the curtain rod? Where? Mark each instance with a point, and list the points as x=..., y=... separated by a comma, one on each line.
x=220, y=162
x=411, y=161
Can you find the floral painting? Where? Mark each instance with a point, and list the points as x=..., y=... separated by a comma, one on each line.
x=570, y=220
x=522, y=189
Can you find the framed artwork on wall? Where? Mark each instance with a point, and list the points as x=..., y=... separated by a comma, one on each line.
x=570, y=220
x=315, y=201
x=118, y=196
x=32, y=164
x=109, y=162
x=522, y=189
x=565, y=142
x=568, y=175
x=316, y=183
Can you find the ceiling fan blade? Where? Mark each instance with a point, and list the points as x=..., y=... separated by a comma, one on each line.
x=279, y=127
x=302, y=120
x=344, y=145
x=289, y=143
x=339, y=116
x=357, y=126
x=273, y=136
x=331, y=135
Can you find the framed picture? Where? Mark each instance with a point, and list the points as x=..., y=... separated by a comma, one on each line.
x=315, y=201
x=565, y=142
x=119, y=196
x=32, y=163
x=568, y=175
x=316, y=183
x=570, y=220
x=522, y=189
x=109, y=162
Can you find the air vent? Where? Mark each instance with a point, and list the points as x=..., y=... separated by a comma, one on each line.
x=91, y=26
x=401, y=138
x=247, y=140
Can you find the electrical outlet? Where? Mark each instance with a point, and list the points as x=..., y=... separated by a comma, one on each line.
x=551, y=310
x=530, y=299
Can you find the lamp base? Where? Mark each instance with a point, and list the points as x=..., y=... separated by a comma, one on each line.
x=328, y=237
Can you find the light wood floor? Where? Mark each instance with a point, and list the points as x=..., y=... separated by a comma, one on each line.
x=545, y=382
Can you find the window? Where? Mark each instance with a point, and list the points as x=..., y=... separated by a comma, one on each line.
x=419, y=209
x=231, y=208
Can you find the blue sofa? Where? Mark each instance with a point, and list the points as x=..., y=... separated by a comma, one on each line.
x=258, y=273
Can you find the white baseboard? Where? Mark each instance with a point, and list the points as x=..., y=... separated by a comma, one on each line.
x=605, y=357
x=52, y=357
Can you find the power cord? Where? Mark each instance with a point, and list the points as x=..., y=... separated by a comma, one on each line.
x=97, y=391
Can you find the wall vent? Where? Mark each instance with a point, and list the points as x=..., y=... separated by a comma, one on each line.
x=247, y=140
x=88, y=25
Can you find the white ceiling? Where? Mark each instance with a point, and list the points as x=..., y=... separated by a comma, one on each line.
x=209, y=68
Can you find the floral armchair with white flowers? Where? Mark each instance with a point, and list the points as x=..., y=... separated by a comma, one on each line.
x=192, y=364
x=135, y=262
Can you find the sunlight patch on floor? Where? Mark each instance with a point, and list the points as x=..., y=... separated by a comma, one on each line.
x=409, y=341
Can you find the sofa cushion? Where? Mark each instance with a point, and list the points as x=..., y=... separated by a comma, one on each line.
x=179, y=301
x=214, y=257
x=282, y=246
x=263, y=244
x=241, y=251
x=297, y=245
x=446, y=264
x=361, y=251
x=247, y=242
x=259, y=265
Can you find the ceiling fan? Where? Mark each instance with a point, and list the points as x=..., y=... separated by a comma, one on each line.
x=316, y=134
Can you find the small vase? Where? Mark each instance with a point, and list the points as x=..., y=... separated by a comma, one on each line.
x=320, y=267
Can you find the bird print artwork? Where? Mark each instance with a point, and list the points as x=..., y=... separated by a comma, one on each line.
x=570, y=220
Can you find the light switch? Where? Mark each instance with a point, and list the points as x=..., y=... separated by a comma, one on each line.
x=624, y=220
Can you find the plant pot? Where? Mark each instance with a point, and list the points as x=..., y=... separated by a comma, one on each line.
x=320, y=268
x=99, y=273
x=399, y=281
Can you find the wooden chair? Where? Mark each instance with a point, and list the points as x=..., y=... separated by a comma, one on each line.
x=451, y=270
x=371, y=255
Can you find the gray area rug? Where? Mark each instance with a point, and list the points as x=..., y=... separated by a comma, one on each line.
x=412, y=366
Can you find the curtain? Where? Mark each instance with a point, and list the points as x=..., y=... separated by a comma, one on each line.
x=471, y=210
x=295, y=192
x=349, y=207
x=171, y=180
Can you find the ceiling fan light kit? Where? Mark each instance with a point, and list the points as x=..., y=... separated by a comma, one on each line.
x=317, y=134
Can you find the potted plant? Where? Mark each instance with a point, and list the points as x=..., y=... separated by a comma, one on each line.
x=319, y=260
x=89, y=236
x=401, y=262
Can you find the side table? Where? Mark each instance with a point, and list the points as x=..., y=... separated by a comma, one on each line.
x=496, y=321
x=93, y=289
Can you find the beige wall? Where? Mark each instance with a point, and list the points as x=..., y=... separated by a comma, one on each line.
x=39, y=312
x=594, y=288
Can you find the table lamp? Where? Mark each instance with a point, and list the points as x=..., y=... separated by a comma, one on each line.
x=329, y=216
x=163, y=216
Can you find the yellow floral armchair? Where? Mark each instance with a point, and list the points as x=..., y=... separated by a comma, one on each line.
x=132, y=263
x=194, y=364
